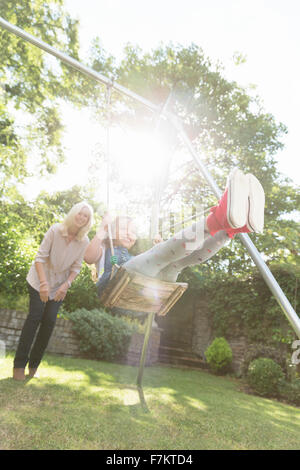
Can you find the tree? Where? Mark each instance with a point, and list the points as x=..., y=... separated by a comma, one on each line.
x=30, y=86
x=12, y=155
x=227, y=126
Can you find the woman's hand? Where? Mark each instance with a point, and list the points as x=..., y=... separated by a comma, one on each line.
x=44, y=291
x=61, y=292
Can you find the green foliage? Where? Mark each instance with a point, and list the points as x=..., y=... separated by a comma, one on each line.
x=243, y=305
x=23, y=226
x=47, y=209
x=290, y=391
x=11, y=301
x=102, y=336
x=17, y=249
x=231, y=128
x=219, y=355
x=12, y=156
x=36, y=81
x=221, y=118
x=82, y=293
x=265, y=376
x=31, y=86
x=218, y=113
x=279, y=353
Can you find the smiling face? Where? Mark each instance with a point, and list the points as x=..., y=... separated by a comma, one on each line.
x=124, y=232
x=82, y=217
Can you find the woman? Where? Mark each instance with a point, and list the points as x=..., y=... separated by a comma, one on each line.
x=240, y=210
x=56, y=265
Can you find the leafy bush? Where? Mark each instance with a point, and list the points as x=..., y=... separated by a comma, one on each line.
x=13, y=302
x=83, y=292
x=219, y=355
x=242, y=304
x=279, y=354
x=101, y=335
x=17, y=251
x=265, y=376
x=290, y=391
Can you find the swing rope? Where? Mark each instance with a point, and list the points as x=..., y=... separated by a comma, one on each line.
x=113, y=259
x=158, y=188
x=161, y=182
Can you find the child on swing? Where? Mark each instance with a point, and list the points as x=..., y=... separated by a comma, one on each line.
x=240, y=210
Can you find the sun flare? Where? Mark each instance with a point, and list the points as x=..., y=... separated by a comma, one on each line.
x=139, y=156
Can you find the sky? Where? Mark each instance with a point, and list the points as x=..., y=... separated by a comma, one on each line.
x=265, y=32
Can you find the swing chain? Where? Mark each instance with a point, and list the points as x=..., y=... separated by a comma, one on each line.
x=113, y=258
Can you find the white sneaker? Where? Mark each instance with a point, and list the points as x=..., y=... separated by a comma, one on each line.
x=237, y=198
x=241, y=207
x=255, y=219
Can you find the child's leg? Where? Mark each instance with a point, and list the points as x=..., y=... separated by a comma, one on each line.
x=243, y=196
x=182, y=244
x=210, y=247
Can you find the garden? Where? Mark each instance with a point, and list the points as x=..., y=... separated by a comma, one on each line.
x=92, y=402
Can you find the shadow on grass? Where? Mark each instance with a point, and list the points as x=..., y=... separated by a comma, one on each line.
x=188, y=409
x=182, y=384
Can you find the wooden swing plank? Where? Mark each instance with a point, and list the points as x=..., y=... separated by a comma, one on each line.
x=139, y=293
x=174, y=297
x=117, y=287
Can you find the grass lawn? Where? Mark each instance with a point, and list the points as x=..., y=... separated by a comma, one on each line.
x=82, y=404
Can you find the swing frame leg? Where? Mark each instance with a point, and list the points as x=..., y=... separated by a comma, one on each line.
x=145, y=348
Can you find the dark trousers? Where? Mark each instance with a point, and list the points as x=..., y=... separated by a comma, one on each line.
x=42, y=315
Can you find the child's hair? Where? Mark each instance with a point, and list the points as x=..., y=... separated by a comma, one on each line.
x=115, y=227
x=69, y=219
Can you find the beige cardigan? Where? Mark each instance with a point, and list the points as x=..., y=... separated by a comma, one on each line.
x=59, y=258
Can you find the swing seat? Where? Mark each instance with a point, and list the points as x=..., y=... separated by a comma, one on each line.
x=139, y=293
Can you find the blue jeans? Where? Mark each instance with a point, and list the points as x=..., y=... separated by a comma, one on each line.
x=42, y=315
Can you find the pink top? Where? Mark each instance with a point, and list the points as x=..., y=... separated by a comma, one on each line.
x=59, y=258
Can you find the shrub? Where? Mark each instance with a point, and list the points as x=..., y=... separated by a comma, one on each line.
x=83, y=292
x=279, y=354
x=265, y=376
x=219, y=355
x=17, y=251
x=101, y=335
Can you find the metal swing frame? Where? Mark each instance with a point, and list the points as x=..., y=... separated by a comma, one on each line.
x=245, y=239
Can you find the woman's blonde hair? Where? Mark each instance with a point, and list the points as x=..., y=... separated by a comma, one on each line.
x=69, y=219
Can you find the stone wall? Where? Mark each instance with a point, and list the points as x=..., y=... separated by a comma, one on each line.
x=63, y=340
x=243, y=351
x=202, y=328
x=204, y=335
x=136, y=345
x=177, y=326
x=190, y=326
x=239, y=349
x=65, y=343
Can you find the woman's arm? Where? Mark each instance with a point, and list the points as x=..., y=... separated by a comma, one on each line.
x=94, y=250
x=44, y=288
x=41, y=257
